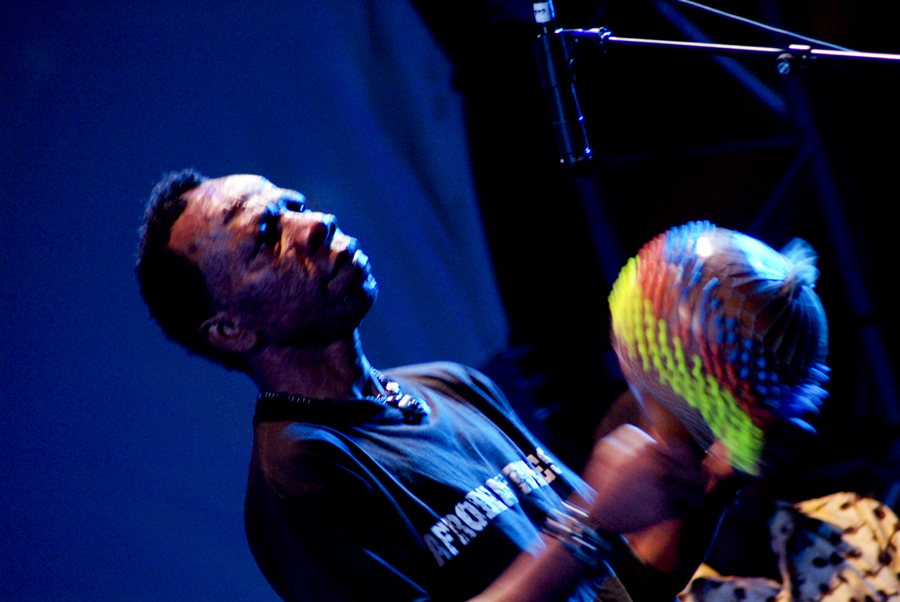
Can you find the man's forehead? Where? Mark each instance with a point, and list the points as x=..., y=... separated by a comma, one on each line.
x=210, y=207
x=234, y=188
x=231, y=195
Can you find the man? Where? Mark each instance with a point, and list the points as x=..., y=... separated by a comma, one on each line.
x=416, y=484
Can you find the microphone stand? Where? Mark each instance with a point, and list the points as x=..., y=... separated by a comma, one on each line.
x=787, y=61
x=557, y=46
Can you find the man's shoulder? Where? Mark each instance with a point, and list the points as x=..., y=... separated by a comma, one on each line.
x=449, y=371
x=286, y=448
x=456, y=380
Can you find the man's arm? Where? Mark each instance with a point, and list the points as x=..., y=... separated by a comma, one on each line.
x=643, y=484
x=645, y=489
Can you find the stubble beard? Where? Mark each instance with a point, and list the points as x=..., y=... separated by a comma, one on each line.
x=293, y=313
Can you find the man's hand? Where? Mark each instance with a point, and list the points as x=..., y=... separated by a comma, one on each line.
x=640, y=481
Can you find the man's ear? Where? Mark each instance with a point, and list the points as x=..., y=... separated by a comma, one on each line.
x=224, y=332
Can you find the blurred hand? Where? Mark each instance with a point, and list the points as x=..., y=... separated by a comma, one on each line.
x=640, y=481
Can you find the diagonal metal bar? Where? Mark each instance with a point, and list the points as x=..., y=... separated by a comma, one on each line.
x=846, y=254
x=768, y=97
x=757, y=25
x=778, y=193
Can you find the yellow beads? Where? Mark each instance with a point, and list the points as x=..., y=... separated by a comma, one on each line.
x=645, y=339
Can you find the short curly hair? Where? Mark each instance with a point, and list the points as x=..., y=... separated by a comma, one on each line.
x=172, y=286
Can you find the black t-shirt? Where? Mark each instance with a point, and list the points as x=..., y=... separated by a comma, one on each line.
x=369, y=507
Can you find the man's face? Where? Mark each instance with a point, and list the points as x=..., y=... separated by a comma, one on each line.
x=285, y=272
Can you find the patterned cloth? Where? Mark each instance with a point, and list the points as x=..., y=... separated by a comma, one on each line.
x=838, y=548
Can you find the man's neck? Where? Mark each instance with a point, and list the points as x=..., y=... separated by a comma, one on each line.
x=335, y=370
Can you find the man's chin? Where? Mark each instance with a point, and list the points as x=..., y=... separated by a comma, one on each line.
x=339, y=322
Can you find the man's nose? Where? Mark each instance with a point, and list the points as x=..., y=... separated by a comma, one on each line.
x=314, y=231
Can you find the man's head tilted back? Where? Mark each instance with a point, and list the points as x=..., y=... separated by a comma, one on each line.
x=725, y=333
x=234, y=264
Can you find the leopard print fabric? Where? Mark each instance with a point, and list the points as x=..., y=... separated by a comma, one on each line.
x=838, y=548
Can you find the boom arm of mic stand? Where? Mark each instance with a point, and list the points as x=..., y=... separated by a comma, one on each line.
x=787, y=60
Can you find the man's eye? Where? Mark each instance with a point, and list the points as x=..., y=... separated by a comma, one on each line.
x=295, y=205
x=269, y=233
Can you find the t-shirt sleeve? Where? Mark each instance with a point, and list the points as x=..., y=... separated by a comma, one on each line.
x=460, y=379
x=321, y=528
